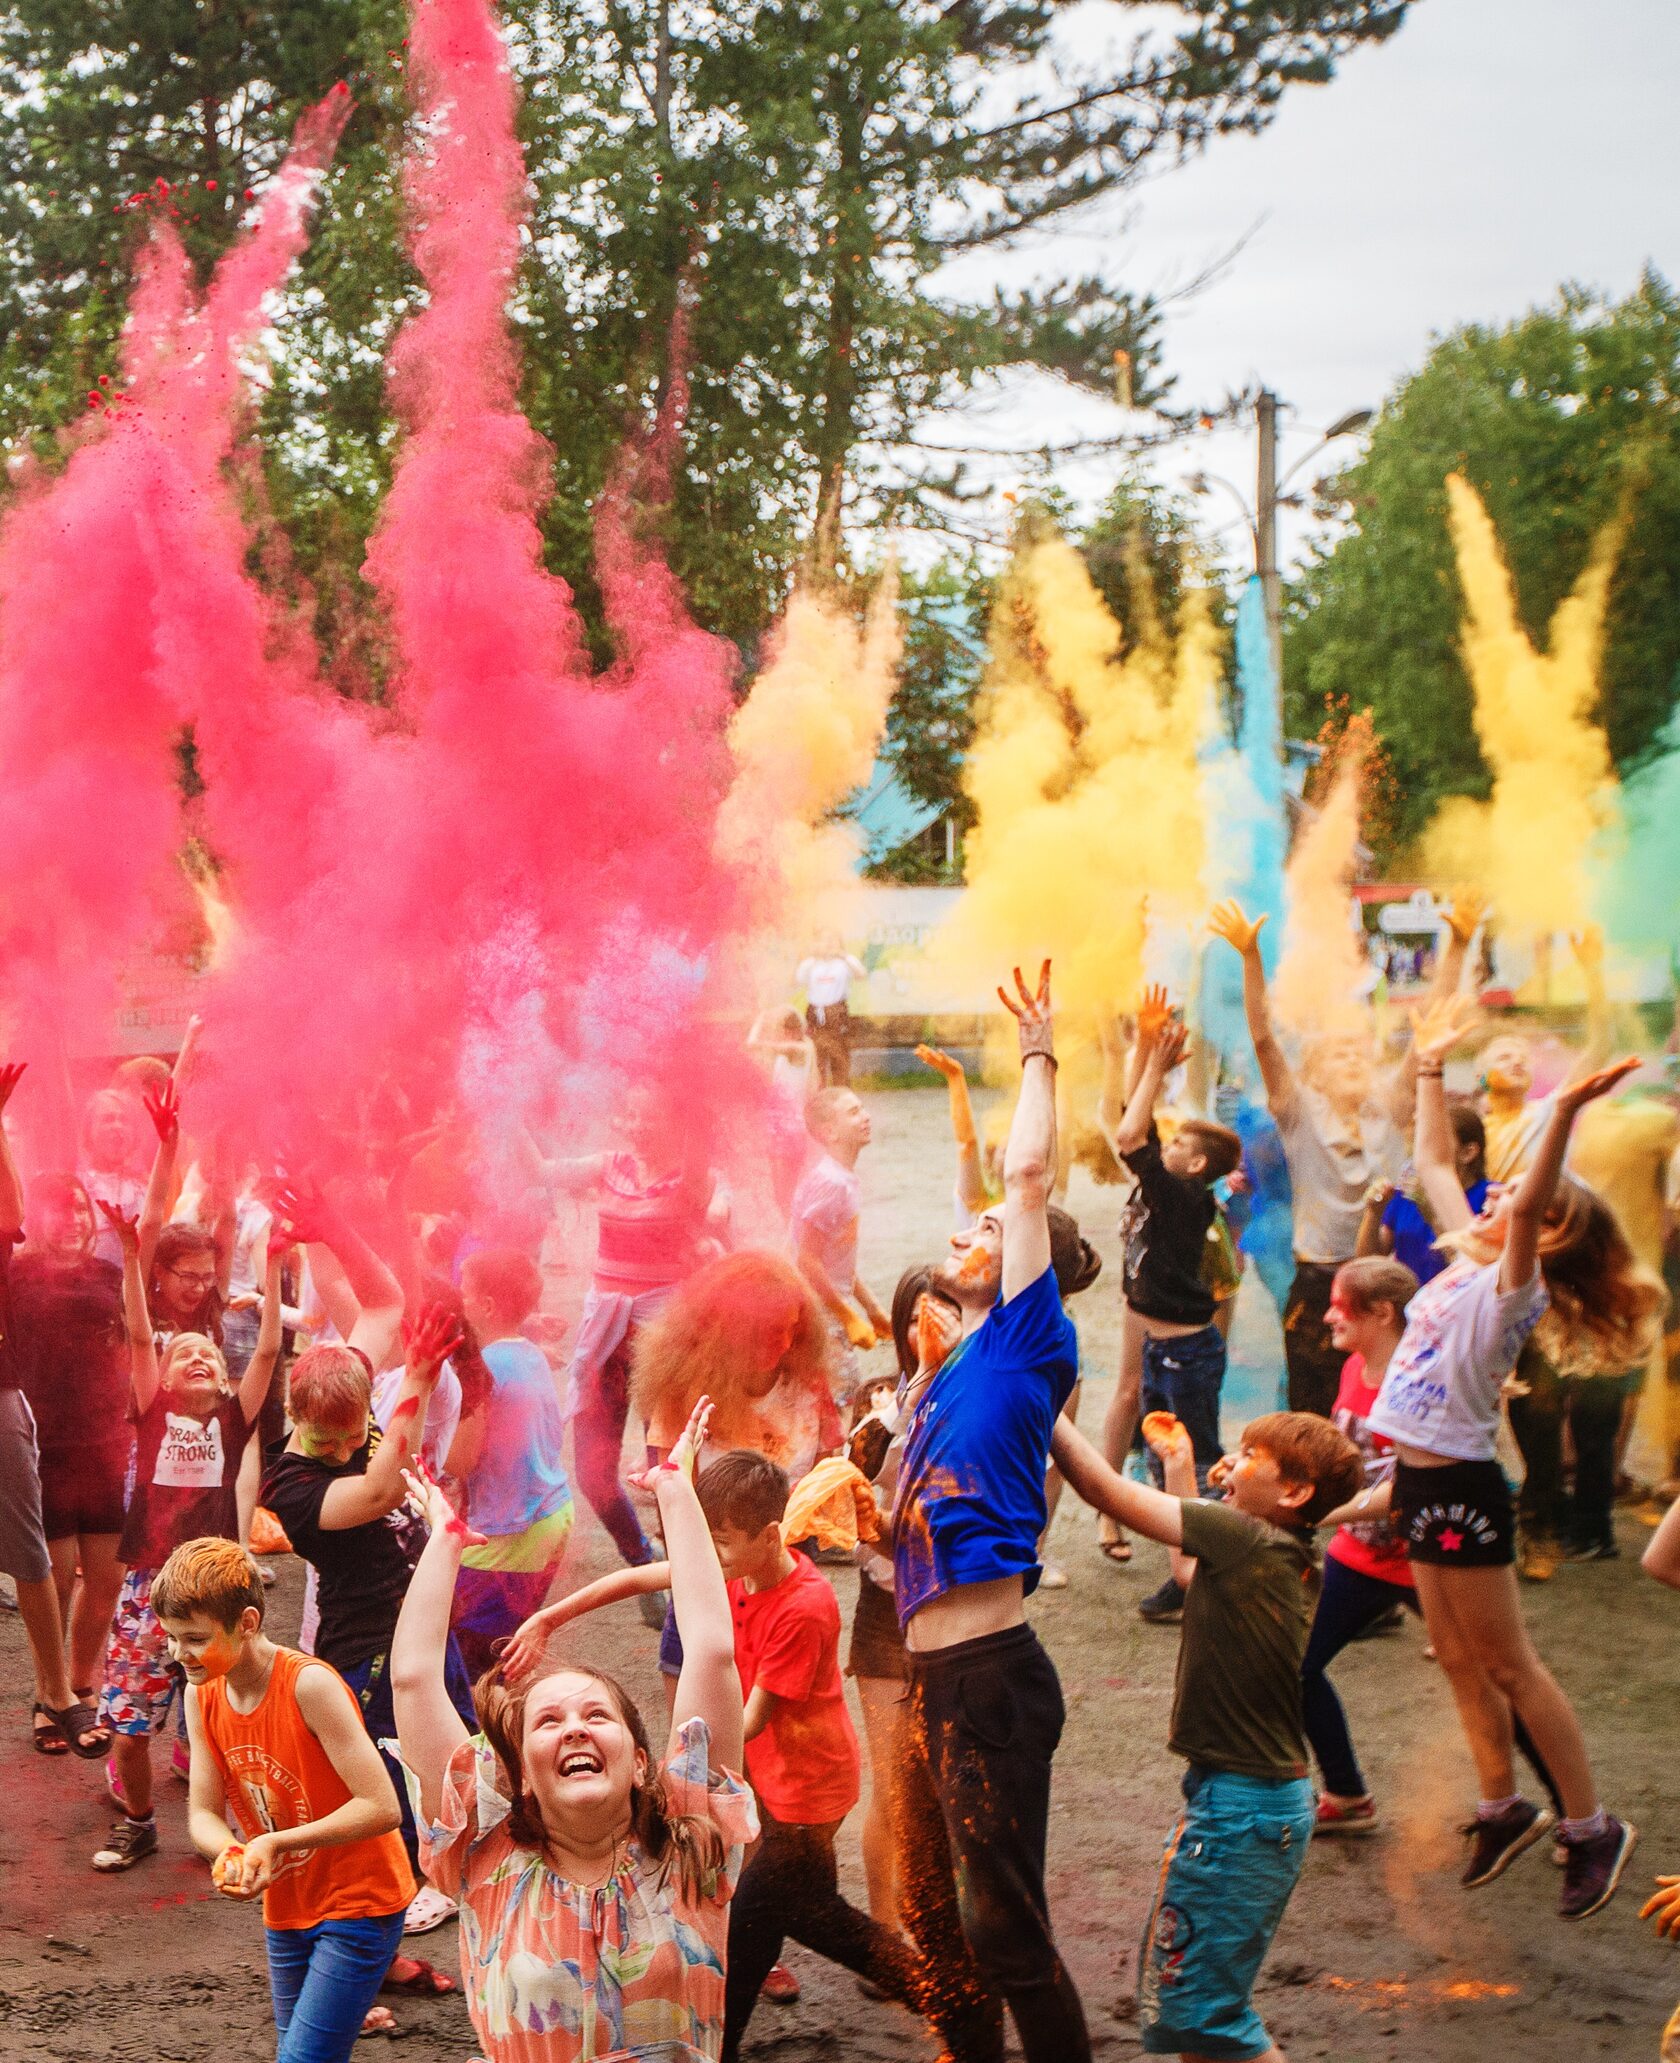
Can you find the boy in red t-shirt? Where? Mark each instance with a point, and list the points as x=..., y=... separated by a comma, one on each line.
x=802, y=1754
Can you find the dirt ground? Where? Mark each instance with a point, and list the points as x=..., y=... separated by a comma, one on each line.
x=1381, y=1955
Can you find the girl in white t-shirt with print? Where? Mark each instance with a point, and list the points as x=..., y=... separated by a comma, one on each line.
x=1546, y=1240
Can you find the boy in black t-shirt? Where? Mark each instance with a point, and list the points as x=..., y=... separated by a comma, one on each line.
x=1166, y=1228
x=190, y=1435
x=337, y=1487
x=1250, y=1569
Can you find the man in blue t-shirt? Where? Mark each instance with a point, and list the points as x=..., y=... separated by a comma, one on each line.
x=986, y=1708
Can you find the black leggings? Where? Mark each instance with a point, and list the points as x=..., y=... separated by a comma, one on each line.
x=1349, y=1602
x=1591, y=1406
x=973, y=1811
x=1313, y=1359
x=790, y=1886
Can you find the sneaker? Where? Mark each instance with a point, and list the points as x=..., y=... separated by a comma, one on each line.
x=1345, y=1816
x=653, y=1605
x=132, y=1840
x=1537, y=1559
x=1594, y=1868
x=1593, y=1551
x=1163, y=1607
x=781, y=1986
x=1053, y=1577
x=1496, y=1843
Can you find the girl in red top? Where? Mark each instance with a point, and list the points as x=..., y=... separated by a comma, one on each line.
x=1366, y=1572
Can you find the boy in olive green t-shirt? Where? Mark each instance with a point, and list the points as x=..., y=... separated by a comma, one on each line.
x=1250, y=1570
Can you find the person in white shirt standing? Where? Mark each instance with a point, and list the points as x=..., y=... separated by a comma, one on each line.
x=824, y=1229
x=827, y=979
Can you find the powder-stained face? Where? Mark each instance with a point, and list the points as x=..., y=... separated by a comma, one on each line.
x=203, y=1647
x=973, y=1269
x=333, y=1444
x=64, y=1227
x=1506, y=1066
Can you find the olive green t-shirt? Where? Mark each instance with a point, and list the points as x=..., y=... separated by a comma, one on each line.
x=1237, y=1700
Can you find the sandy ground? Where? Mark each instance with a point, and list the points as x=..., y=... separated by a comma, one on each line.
x=1381, y=1956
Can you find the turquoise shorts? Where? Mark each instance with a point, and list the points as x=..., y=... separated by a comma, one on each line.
x=1229, y=1867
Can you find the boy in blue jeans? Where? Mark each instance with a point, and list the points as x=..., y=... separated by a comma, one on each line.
x=1249, y=1567
x=1165, y=1232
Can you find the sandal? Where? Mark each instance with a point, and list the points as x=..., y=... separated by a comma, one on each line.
x=1116, y=1550
x=81, y=1729
x=47, y=1735
x=380, y=2020
x=422, y=1980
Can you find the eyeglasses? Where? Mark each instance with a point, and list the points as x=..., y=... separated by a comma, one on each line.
x=188, y=1275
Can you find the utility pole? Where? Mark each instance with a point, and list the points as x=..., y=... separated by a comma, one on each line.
x=1265, y=525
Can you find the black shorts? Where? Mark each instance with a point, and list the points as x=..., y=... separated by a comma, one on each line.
x=82, y=1489
x=877, y=1643
x=1459, y=1516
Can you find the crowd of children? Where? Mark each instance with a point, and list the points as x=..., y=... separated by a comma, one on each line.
x=427, y=1752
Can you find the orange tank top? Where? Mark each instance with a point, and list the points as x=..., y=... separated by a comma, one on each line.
x=277, y=1774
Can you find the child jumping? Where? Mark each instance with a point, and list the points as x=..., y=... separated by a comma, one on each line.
x=1249, y=1569
x=1165, y=1233
x=278, y=1744
x=190, y=1438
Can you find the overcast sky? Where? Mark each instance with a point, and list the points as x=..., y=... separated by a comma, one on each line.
x=1488, y=152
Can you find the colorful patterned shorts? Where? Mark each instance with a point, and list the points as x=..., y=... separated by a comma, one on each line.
x=141, y=1682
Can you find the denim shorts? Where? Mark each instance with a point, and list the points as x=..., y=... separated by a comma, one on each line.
x=1230, y=1865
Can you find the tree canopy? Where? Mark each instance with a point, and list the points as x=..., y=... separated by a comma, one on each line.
x=809, y=164
x=1553, y=419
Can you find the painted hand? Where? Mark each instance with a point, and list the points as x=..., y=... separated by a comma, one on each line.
x=126, y=1228
x=1032, y=1015
x=1663, y=1907
x=941, y=1063
x=859, y=1331
x=163, y=1107
x=1154, y=1014
x=1226, y=920
x=429, y=1340
x=431, y=1500
x=1469, y=907
x=1576, y=1095
x=1439, y=1025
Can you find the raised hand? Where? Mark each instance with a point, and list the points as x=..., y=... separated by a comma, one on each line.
x=10, y=1075
x=163, y=1107
x=1575, y=1095
x=1154, y=1013
x=430, y=1340
x=941, y=1063
x=301, y=1212
x=1227, y=920
x=1439, y=1025
x=126, y=1228
x=1469, y=907
x=431, y=1500
x=1175, y=1043
x=522, y=1651
x=1165, y=1435
x=1032, y=1014
x=1589, y=948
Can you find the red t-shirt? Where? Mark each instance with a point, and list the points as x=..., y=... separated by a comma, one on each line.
x=804, y=1765
x=1375, y=1547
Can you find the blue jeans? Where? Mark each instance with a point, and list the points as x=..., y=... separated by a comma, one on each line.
x=1231, y=1863
x=1184, y=1376
x=323, y=1979
x=371, y=1683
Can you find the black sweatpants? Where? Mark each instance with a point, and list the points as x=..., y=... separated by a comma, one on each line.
x=1313, y=1359
x=973, y=1813
x=790, y=1886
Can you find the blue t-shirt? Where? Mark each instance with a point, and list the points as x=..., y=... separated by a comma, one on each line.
x=1414, y=1236
x=970, y=1501
x=521, y=1476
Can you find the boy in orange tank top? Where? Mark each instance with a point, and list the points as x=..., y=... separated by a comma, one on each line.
x=278, y=1744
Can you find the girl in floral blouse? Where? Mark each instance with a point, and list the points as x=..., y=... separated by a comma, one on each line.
x=593, y=1882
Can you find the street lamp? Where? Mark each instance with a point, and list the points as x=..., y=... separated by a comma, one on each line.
x=1269, y=497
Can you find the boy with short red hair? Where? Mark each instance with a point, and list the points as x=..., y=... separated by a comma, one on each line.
x=1250, y=1570
x=278, y=1742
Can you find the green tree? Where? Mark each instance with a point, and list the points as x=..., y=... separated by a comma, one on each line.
x=808, y=163
x=1553, y=419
